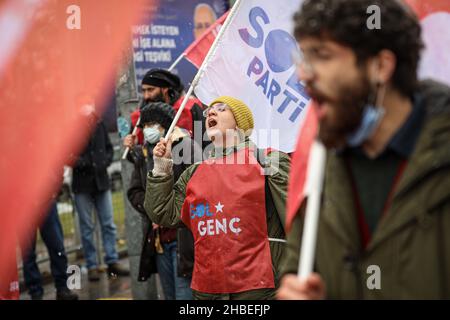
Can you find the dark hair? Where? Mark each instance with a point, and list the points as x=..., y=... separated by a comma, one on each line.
x=158, y=112
x=175, y=93
x=165, y=79
x=345, y=22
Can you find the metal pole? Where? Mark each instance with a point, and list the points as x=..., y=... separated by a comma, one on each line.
x=177, y=61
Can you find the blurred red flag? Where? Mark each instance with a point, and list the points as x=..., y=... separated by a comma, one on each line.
x=434, y=18
x=299, y=164
x=198, y=49
x=424, y=8
x=55, y=57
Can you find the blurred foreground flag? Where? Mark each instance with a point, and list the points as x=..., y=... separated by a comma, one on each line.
x=434, y=17
x=253, y=62
x=56, y=58
x=300, y=164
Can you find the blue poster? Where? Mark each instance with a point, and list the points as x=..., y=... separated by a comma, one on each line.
x=174, y=25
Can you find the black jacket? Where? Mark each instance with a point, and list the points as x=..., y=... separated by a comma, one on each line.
x=136, y=194
x=90, y=173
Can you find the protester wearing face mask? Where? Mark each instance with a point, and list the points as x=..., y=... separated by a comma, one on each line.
x=386, y=202
x=161, y=252
x=160, y=85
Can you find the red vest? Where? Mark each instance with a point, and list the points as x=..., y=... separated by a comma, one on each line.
x=225, y=210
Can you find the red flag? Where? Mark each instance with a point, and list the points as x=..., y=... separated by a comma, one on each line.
x=198, y=49
x=424, y=8
x=299, y=164
x=434, y=18
x=56, y=57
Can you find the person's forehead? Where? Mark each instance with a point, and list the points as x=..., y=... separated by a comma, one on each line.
x=219, y=104
x=204, y=12
x=148, y=86
x=316, y=43
x=150, y=123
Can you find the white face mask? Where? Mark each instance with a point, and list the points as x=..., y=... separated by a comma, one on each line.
x=152, y=134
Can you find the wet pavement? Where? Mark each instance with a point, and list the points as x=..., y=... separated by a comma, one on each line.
x=116, y=289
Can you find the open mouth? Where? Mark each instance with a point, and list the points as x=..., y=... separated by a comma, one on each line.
x=318, y=99
x=212, y=123
x=319, y=102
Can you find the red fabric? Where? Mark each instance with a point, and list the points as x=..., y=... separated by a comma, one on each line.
x=299, y=164
x=134, y=116
x=427, y=7
x=235, y=257
x=397, y=178
x=9, y=289
x=198, y=50
x=167, y=235
x=49, y=73
x=186, y=121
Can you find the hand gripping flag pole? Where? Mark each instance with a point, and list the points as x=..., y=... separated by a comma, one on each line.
x=139, y=119
x=127, y=149
x=125, y=154
x=200, y=71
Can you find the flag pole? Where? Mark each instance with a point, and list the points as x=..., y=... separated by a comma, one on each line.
x=177, y=61
x=125, y=154
x=202, y=68
x=174, y=64
x=127, y=149
x=313, y=191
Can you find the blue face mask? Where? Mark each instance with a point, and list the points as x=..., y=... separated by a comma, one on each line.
x=371, y=117
x=152, y=135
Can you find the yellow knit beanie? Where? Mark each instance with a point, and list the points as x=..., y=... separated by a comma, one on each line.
x=242, y=114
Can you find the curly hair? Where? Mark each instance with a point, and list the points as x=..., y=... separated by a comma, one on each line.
x=345, y=22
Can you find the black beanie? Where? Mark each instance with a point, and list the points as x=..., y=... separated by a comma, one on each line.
x=163, y=79
x=158, y=112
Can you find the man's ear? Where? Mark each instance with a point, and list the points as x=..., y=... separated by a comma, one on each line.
x=166, y=94
x=382, y=66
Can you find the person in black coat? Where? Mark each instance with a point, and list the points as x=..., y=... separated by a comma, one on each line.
x=164, y=249
x=91, y=188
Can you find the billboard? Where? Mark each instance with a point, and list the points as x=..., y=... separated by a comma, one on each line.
x=174, y=26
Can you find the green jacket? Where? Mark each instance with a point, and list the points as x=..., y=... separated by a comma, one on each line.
x=164, y=200
x=411, y=245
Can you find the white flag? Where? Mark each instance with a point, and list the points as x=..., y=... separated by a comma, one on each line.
x=434, y=17
x=253, y=62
